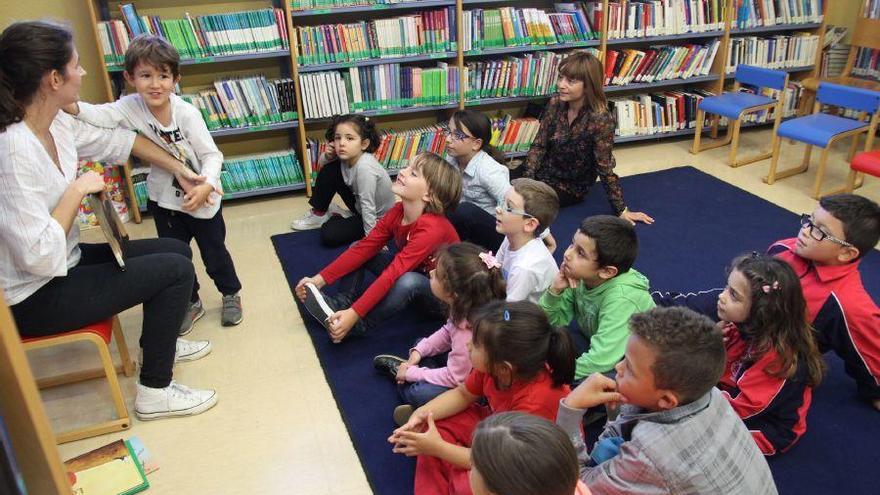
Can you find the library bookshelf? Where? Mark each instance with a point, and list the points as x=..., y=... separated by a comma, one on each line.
x=324, y=57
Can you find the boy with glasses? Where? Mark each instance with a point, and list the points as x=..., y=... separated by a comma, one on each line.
x=826, y=255
x=528, y=209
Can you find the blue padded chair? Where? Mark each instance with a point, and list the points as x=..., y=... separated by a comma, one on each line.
x=825, y=129
x=734, y=105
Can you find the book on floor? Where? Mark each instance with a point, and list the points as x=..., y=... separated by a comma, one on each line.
x=113, y=469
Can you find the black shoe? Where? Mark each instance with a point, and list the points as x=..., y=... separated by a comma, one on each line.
x=319, y=305
x=388, y=364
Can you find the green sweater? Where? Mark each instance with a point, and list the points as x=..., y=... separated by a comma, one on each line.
x=602, y=314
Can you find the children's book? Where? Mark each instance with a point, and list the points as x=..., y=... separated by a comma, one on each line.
x=113, y=469
x=148, y=463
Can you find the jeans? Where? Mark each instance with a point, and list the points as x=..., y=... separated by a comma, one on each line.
x=475, y=225
x=417, y=394
x=158, y=274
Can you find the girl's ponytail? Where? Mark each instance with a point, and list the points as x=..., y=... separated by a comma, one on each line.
x=560, y=357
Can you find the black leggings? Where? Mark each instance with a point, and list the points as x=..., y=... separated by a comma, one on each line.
x=337, y=231
x=159, y=274
x=474, y=224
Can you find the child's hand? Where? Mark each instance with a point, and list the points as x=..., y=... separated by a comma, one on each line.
x=636, y=216
x=72, y=109
x=300, y=290
x=341, y=322
x=416, y=423
x=726, y=329
x=401, y=372
x=596, y=389
x=415, y=357
x=561, y=282
x=550, y=242
x=197, y=197
x=412, y=443
x=330, y=151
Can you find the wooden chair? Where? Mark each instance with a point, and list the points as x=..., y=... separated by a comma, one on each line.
x=866, y=34
x=99, y=334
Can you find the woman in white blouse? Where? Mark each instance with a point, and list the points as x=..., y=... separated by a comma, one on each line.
x=53, y=283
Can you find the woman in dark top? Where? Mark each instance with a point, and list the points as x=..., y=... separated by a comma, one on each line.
x=576, y=138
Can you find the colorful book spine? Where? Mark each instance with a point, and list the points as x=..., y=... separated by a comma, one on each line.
x=777, y=52
x=659, y=63
x=645, y=18
x=260, y=171
x=329, y=4
x=867, y=64
x=245, y=102
x=656, y=113
x=756, y=13
x=509, y=26
x=513, y=135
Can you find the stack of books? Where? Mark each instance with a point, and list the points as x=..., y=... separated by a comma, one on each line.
x=756, y=13
x=508, y=26
x=532, y=74
x=648, y=114
x=245, y=102
x=777, y=52
x=198, y=36
x=513, y=135
x=834, y=61
x=661, y=18
x=417, y=34
x=659, y=63
x=867, y=64
x=247, y=173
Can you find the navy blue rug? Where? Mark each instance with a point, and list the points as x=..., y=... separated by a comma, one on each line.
x=701, y=224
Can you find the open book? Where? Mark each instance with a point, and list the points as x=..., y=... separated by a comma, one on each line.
x=112, y=226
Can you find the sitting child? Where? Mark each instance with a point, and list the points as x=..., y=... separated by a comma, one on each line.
x=519, y=454
x=348, y=168
x=521, y=363
x=597, y=287
x=675, y=432
x=772, y=360
x=464, y=279
x=427, y=187
x=528, y=209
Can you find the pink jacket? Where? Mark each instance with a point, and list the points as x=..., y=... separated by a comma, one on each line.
x=450, y=337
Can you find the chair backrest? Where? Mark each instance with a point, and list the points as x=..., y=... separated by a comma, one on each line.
x=761, y=77
x=866, y=34
x=838, y=95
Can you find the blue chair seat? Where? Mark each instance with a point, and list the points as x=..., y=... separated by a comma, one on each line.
x=731, y=105
x=818, y=129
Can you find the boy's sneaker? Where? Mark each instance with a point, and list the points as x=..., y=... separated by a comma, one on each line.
x=173, y=400
x=190, y=350
x=402, y=414
x=319, y=305
x=194, y=311
x=388, y=364
x=310, y=221
x=231, y=314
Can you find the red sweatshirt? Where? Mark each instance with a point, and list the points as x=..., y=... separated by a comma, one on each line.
x=416, y=244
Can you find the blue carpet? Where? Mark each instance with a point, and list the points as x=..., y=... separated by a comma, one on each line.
x=701, y=224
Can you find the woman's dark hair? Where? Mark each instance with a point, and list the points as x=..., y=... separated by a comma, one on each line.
x=520, y=454
x=364, y=126
x=29, y=50
x=480, y=127
x=465, y=275
x=778, y=318
x=519, y=333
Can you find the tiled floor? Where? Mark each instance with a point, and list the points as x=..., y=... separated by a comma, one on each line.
x=276, y=428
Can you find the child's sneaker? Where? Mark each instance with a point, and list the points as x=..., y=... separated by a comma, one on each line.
x=310, y=221
x=190, y=350
x=194, y=311
x=336, y=210
x=388, y=364
x=319, y=305
x=402, y=414
x=173, y=400
x=231, y=314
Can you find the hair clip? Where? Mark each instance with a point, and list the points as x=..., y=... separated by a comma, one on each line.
x=506, y=315
x=489, y=260
x=754, y=255
x=767, y=288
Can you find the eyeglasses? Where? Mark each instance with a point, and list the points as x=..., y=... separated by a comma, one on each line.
x=506, y=208
x=818, y=234
x=455, y=134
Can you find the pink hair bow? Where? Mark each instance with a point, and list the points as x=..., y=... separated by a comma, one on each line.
x=768, y=288
x=489, y=260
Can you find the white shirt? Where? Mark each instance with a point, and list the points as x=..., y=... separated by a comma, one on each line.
x=483, y=181
x=529, y=270
x=187, y=139
x=33, y=246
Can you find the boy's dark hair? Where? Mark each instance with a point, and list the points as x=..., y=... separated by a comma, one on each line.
x=521, y=454
x=479, y=125
x=860, y=218
x=689, y=355
x=539, y=201
x=466, y=276
x=364, y=126
x=778, y=318
x=153, y=50
x=520, y=333
x=615, y=238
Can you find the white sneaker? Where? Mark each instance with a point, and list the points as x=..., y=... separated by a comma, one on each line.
x=190, y=350
x=335, y=209
x=310, y=221
x=173, y=400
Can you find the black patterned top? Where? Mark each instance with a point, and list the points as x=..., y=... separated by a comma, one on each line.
x=569, y=157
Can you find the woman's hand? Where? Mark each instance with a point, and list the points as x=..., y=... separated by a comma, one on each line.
x=636, y=216
x=88, y=183
x=412, y=443
x=341, y=323
x=300, y=290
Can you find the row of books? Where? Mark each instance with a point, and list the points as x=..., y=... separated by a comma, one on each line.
x=777, y=52
x=508, y=26
x=872, y=9
x=329, y=4
x=247, y=173
x=510, y=134
x=663, y=17
x=653, y=113
x=755, y=13
x=789, y=108
x=659, y=63
x=417, y=34
x=867, y=64
x=378, y=87
x=834, y=61
x=245, y=101
x=531, y=74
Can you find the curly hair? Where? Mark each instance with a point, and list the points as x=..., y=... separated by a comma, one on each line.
x=471, y=283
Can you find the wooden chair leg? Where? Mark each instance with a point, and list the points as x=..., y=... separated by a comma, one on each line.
x=731, y=158
x=852, y=148
x=807, y=155
x=715, y=121
x=695, y=148
x=122, y=347
x=771, y=175
x=823, y=160
x=851, y=181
